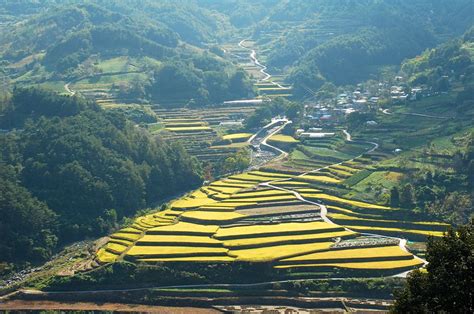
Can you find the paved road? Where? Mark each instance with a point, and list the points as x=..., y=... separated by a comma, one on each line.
x=260, y=138
x=68, y=89
x=348, y=135
x=388, y=112
x=323, y=209
x=263, y=68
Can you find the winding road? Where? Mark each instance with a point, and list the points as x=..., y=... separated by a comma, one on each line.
x=257, y=141
x=263, y=68
x=388, y=112
x=323, y=209
x=68, y=89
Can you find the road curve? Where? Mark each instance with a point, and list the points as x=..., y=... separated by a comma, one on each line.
x=323, y=209
x=68, y=89
x=263, y=68
x=283, y=154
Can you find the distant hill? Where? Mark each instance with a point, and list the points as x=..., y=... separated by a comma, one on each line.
x=452, y=61
x=345, y=42
x=308, y=42
x=56, y=44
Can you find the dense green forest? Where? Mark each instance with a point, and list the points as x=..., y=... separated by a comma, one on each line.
x=202, y=80
x=71, y=170
x=445, y=286
x=450, y=61
x=445, y=193
x=345, y=42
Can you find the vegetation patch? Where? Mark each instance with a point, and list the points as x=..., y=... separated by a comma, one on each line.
x=189, y=129
x=280, y=138
x=343, y=201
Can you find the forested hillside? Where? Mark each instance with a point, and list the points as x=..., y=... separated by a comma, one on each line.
x=452, y=61
x=130, y=46
x=71, y=170
x=342, y=42
x=348, y=41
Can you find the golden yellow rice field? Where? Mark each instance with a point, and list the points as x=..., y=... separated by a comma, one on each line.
x=104, y=256
x=189, y=203
x=173, y=238
x=319, y=178
x=280, y=229
x=237, y=136
x=398, y=230
x=420, y=223
x=275, y=198
x=261, y=193
x=207, y=259
x=184, y=228
x=116, y=248
x=125, y=236
x=271, y=253
x=274, y=240
x=211, y=216
x=174, y=251
x=353, y=253
x=402, y=264
x=283, y=139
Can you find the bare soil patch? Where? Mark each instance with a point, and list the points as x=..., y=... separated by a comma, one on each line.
x=22, y=305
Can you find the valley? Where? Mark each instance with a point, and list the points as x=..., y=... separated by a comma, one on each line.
x=249, y=157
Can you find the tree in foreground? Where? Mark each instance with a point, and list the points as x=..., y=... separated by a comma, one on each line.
x=447, y=285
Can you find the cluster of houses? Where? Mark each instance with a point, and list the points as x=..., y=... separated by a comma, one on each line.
x=362, y=98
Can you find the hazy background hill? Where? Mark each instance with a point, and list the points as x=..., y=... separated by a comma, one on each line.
x=342, y=42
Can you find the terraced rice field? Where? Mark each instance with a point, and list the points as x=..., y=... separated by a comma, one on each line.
x=237, y=137
x=198, y=129
x=280, y=138
x=257, y=217
x=267, y=87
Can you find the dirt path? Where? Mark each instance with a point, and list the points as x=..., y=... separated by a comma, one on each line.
x=21, y=305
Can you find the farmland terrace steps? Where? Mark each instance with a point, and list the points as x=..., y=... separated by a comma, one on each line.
x=229, y=221
x=198, y=130
x=265, y=85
